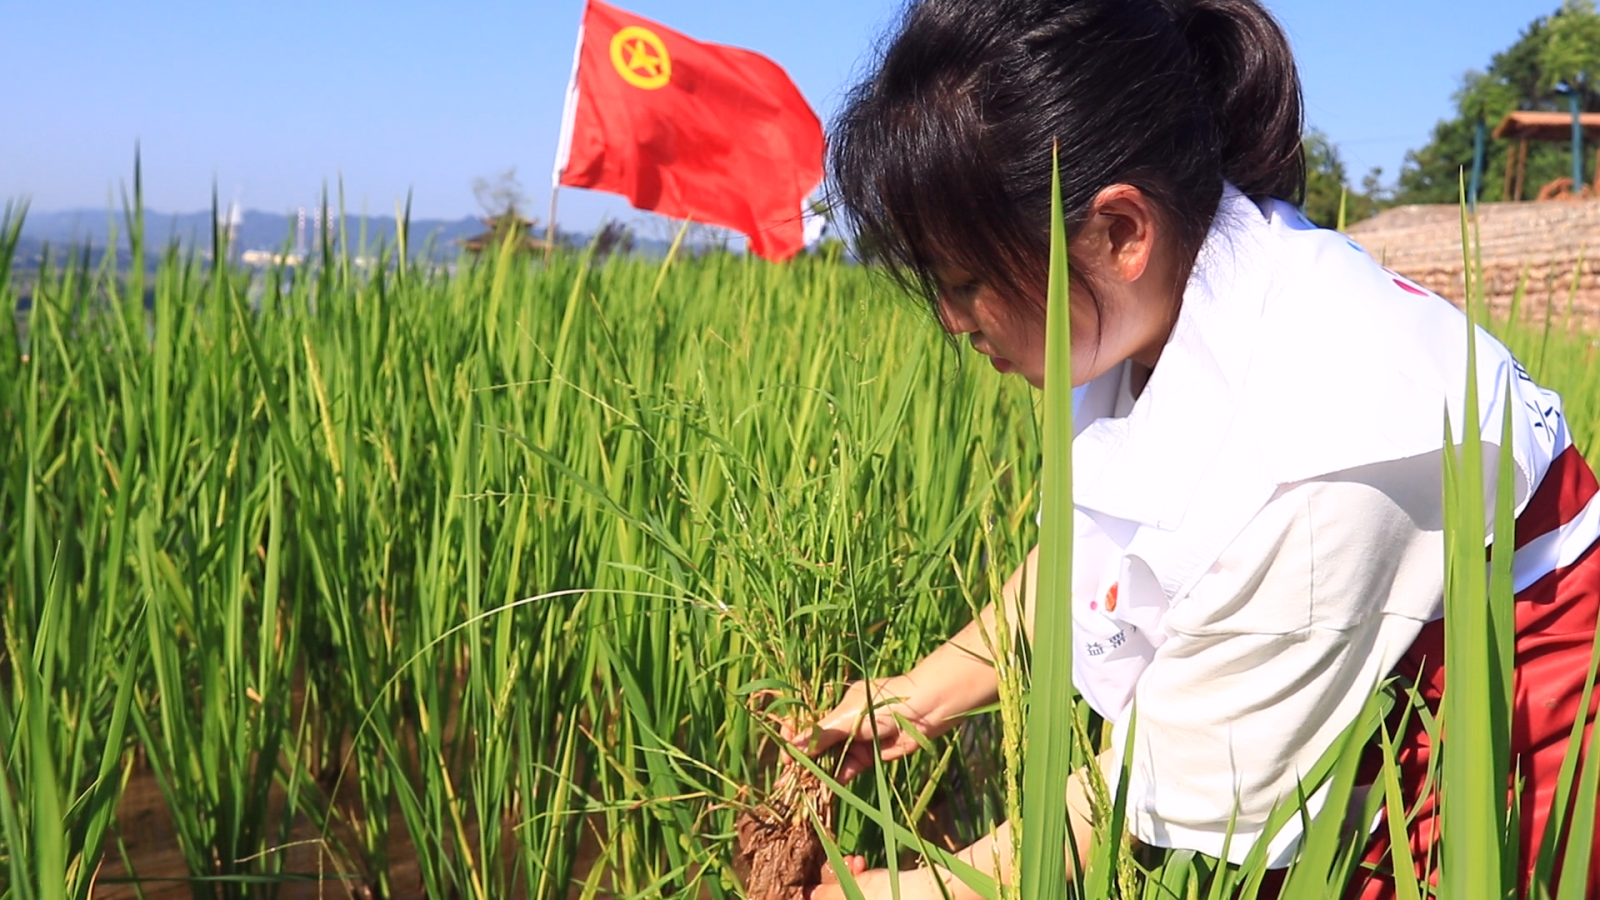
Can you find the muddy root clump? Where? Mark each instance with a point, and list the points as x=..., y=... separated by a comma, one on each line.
x=779, y=854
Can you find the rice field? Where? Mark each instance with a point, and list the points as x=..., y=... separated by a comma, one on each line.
x=495, y=582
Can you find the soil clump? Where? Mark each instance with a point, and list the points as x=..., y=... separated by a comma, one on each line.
x=779, y=855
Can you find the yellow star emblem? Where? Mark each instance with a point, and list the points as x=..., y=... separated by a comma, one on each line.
x=641, y=58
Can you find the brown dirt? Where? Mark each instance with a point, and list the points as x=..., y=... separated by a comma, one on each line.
x=779, y=854
x=159, y=871
x=155, y=868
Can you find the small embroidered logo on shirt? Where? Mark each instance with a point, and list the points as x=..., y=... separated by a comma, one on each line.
x=1118, y=639
x=1096, y=649
x=1409, y=289
x=1405, y=284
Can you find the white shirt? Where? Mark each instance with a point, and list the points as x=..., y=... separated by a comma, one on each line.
x=1258, y=535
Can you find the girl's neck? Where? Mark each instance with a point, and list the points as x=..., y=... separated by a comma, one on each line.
x=1138, y=377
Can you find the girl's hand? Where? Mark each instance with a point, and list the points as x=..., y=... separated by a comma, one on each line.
x=830, y=889
x=915, y=884
x=890, y=708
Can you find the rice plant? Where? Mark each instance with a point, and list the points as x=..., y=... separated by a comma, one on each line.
x=483, y=569
x=480, y=581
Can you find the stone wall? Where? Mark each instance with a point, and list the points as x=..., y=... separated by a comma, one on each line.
x=1541, y=246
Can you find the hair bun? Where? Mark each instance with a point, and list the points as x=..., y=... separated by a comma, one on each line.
x=945, y=156
x=1245, y=62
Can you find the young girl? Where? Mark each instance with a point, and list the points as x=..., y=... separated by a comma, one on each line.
x=1258, y=526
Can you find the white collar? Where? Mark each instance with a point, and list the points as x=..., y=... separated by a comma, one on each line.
x=1294, y=355
x=1146, y=467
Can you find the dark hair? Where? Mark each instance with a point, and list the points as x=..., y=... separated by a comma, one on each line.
x=943, y=155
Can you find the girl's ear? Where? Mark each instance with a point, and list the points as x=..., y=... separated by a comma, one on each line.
x=1122, y=232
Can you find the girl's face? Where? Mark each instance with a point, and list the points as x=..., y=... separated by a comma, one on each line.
x=1120, y=252
x=1010, y=334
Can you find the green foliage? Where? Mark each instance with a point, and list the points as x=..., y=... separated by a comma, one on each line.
x=1328, y=186
x=1047, y=762
x=484, y=563
x=1571, y=55
x=1550, y=50
x=1477, y=653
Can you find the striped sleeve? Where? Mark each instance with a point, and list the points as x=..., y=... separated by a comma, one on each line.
x=1560, y=522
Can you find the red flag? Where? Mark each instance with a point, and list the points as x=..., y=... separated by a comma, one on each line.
x=690, y=130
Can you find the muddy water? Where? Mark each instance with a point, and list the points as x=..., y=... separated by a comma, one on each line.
x=151, y=846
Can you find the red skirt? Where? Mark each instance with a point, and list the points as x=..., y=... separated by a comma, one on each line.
x=1555, y=628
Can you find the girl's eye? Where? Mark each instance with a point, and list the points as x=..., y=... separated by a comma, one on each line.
x=963, y=291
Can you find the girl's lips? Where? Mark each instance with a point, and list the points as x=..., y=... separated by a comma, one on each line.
x=999, y=362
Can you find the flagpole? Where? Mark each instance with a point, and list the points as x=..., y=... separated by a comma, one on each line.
x=569, y=114
x=550, y=227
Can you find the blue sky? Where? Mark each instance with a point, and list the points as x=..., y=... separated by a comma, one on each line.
x=270, y=101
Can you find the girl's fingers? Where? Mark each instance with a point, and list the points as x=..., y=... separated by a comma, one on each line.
x=814, y=740
x=842, y=721
x=893, y=750
x=830, y=888
x=860, y=756
x=834, y=728
x=846, y=715
x=849, y=769
x=809, y=740
x=856, y=865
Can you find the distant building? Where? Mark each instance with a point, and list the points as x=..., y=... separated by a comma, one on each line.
x=262, y=259
x=1523, y=126
x=521, y=230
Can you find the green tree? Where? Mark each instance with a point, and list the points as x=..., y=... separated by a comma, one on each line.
x=1561, y=48
x=1328, y=184
x=1571, y=55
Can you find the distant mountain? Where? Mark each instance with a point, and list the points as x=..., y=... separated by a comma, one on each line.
x=258, y=238
x=256, y=231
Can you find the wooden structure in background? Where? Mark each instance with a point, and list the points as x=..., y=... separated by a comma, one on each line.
x=1523, y=126
x=496, y=234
